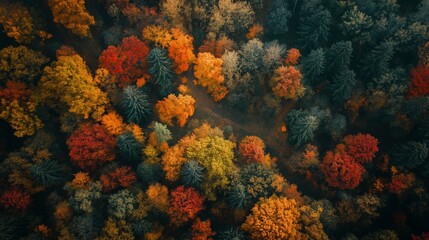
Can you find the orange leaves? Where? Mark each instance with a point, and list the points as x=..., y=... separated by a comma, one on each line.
x=293, y=55
x=157, y=196
x=157, y=34
x=180, y=50
x=287, y=82
x=217, y=47
x=113, y=123
x=180, y=107
x=252, y=149
x=208, y=71
x=362, y=147
x=256, y=31
x=201, y=230
x=120, y=177
x=273, y=218
x=73, y=15
x=185, y=204
x=80, y=180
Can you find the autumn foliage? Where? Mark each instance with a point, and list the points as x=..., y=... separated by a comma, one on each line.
x=218, y=47
x=90, y=146
x=419, y=82
x=293, y=56
x=362, y=147
x=185, y=204
x=180, y=107
x=127, y=62
x=201, y=230
x=73, y=15
x=208, y=71
x=287, y=82
x=341, y=170
x=15, y=199
x=120, y=177
x=180, y=50
x=252, y=149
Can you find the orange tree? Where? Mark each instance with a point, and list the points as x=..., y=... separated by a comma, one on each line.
x=287, y=82
x=208, y=71
x=180, y=107
x=180, y=50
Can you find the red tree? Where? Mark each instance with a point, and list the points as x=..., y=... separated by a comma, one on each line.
x=341, y=170
x=90, y=146
x=362, y=147
x=126, y=62
x=15, y=199
x=201, y=230
x=120, y=177
x=14, y=91
x=419, y=82
x=252, y=149
x=185, y=204
x=423, y=236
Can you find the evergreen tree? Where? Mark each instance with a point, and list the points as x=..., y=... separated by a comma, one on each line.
x=338, y=56
x=314, y=29
x=149, y=172
x=232, y=233
x=410, y=154
x=237, y=197
x=278, y=17
x=47, y=173
x=136, y=104
x=192, y=173
x=129, y=147
x=301, y=127
x=251, y=55
x=313, y=66
x=342, y=86
x=161, y=68
x=376, y=62
x=162, y=133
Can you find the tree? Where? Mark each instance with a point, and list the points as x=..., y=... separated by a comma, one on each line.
x=233, y=233
x=84, y=200
x=287, y=83
x=208, y=71
x=15, y=199
x=121, y=204
x=113, y=123
x=251, y=55
x=376, y=62
x=238, y=197
x=338, y=56
x=123, y=177
x=419, y=82
x=301, y=127
x=342, y=86
x=278, y=17
x=231, y=68
x=21, y=116
x=116, y=229
x=192, y=173
x=161, y=68
x=411, y=154
x=273, y=218
x=158, y=34
x=68, y=82
x=293, y=55
x=341, y=170
x=201, y=230
x=361, y=147
x=47, y=173
x=90, y=146
x=273, y=56
x=180, y=107
x=314, y=29
x=162, y=134
x=19, y=24
x=215, y=154
x=217, y=47
x=313, y=66
x=185, y=204
x=157, y=196
x=21, y=63
x=357, y=25
x=252, y=149
x=149, y=172
x=73, y=15
x=255, y=31
x=136, y=105
x=180, y=50
x=257, y=180
x=231, y=17
x=127, y=62
x=129, y=147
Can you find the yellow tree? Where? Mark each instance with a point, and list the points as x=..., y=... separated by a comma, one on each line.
x=73, y=15
x=21, y=116
x=181, y=50
x=158, y=35
x=208, y=71
x=68, y=82
x=180, y=107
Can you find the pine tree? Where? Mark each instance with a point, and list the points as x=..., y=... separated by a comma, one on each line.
x=410, y=154
x=237, y=197
x=47, y=173
x=129, y=147
x=161, y=68
x=313, y=65
x=278, y=17
x=338, y=56
x=136, y=104
x=301, y=126
x=149, y=172
x=192, y=173
x=342, y=86
x=376, y=62
x=314, y=29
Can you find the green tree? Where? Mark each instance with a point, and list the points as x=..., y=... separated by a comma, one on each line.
x=278, y=17
x=301, y=127
x=313, y=66
x=357, y=25
x=251, y=55
x=314, y=29
x=410, y=154
x=136, y=104
x=376, y=62
x=47, y=173
x=338, y=56
x=161, y=68
x=121, y=204
x=129, y=147
x=192, y=173
x=342, y=85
